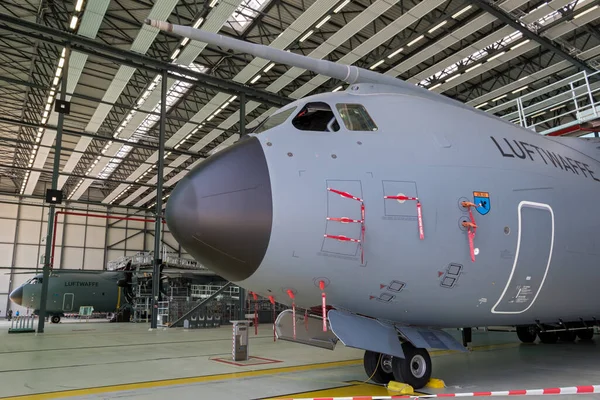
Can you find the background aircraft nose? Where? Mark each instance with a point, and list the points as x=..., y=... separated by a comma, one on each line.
x=221, y=212
x=16, y=296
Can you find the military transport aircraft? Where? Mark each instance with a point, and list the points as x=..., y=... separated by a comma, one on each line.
x=106, y=291
x=400, y=212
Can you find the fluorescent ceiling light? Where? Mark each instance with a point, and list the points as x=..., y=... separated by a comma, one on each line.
x=73, y=22
x=337, y=88
x=474, y=67
x=323, y=21
x=256, y=78
x=79, y=5
x=396, y=52
x=341, y=6
x=500, y=97
x=198, y=23
x=481, y=105
x=303, y=38
x=496, y=56
x=435, y=86
x=464, y=10
x=377, y=64
x=520, y=44
x=518, y=90
x=266, y=70
x=453, y=77
x=416, y=40
x=585, y=12
x=438, y=26
x=185, y=41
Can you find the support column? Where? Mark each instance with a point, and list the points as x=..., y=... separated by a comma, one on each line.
x=241, y=304
x=47, y=261
x=11, y=283
x=158, y=212
x=242, y=114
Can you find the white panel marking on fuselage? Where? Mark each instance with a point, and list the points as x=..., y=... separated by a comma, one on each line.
x=534, y=205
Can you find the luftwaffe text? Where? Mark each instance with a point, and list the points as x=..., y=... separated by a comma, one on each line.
x=523, y=150
x=81, y=284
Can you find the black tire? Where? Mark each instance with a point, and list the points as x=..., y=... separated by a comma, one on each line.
x=567, y=336
x=526, y=334
x=587, y=334
x=548, y=337
x=55, y=319
x=415, y=368
x=378, y=369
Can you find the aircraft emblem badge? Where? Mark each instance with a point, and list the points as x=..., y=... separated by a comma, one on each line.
x=482, y=200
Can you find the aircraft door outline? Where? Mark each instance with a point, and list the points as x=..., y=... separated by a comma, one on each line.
x=68, y=300
x=504, y=301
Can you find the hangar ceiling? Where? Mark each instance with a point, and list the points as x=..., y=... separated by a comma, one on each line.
x=483, y=53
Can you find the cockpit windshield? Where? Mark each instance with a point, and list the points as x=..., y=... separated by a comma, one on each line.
x=316, y=116
x=356, y=117
x=35, y=280
x=274, y=120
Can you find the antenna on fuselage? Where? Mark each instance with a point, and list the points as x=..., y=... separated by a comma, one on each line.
x=346, y=73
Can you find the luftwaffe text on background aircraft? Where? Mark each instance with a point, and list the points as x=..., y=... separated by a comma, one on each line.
x=399, y=211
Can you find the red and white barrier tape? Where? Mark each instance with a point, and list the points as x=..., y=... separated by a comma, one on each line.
x=528, y=392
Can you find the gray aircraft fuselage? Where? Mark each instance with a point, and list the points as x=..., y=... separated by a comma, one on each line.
x=67, y=291
x=283, y=210
x=535, y=247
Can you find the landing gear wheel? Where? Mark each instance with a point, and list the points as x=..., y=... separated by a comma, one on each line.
x=587, y=334
x=526, y=334
x=548, y=337
x=55, y=319
x=567, y=336
x=379, y=369
x=414, y=369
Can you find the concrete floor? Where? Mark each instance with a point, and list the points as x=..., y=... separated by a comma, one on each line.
x=97, y=360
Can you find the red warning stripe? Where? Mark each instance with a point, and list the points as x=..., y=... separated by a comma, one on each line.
x=342, y=238
x=344, y=194
x=520, y=392
x=344, y=220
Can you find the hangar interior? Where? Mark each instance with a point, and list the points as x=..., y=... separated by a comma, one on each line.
x=101, y=115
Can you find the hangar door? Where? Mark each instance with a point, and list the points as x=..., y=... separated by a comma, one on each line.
x=532, y=258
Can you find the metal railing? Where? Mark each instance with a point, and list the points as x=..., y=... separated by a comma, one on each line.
x=146, y=259
x=205, y=291
x=22, y=323
x=576, y=101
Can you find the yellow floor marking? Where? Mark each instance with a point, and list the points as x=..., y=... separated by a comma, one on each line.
x=183, y=381
x=217, y=377
x=353, y=389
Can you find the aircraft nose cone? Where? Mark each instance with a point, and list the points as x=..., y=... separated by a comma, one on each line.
x=16, y=296
x=221, y=211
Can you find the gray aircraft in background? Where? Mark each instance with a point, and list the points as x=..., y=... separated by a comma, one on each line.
x=105, y=291
x=404, y=211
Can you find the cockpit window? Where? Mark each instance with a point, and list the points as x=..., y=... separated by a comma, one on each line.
x=274, y=120
x=356, y=117
x=316, y=116
x=35, y=280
